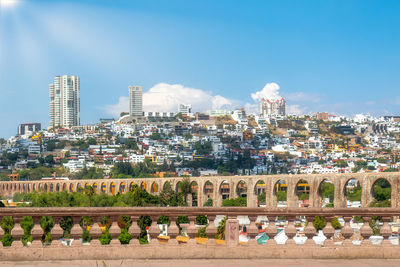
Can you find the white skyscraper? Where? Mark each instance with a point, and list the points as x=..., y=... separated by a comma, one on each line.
x=64, y=101
x=135, y=101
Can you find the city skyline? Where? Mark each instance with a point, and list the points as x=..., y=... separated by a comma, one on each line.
x=345, y=65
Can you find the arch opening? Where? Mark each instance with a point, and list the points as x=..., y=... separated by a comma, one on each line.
x=259, y=191
x=194, y=189
x=122, y=187
x=302, y=191
x=381, y=193
x=280, y=192
x=224, y=190
x=326, y=194
x=352, y=193
x=154, y=188
x=241, y=189
x=208, y=192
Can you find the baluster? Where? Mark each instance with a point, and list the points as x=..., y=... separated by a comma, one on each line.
x=114, y=231
x=173, y=230
x=76, y=230
x=290, y=230
x=271, y=231
x=17, y=232
x=252, y=230
x=329, y=231
x=37, y=232
x=192, y=230
x=347, y=231
x=386, y=231
x=366, y=231
x=134, y=230
x=56, y=232
x=211, y=230
x=154, y=230
x=95, y=231
x=310, y=231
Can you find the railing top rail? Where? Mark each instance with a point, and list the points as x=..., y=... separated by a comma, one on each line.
x=176, y=211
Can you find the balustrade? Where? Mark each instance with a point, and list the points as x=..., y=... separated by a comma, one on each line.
x=105, y=224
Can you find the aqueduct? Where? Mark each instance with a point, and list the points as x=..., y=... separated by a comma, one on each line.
x=221, y=187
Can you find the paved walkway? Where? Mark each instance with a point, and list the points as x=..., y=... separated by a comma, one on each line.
x=216, y=263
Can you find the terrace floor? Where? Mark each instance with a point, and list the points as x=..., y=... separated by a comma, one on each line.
x=213, y=262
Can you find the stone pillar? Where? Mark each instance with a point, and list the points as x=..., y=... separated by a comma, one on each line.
x=291, y=194
x=232, y=231
x=339, y=200
x=251, y=195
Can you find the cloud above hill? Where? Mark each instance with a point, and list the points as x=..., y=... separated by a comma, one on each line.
x=166, y=97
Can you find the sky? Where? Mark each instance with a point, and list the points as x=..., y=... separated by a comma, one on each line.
x=338, y=56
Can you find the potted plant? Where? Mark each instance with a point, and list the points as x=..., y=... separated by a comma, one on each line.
x=163, y=223
x=202, y=237
x=220, y=236
x=183, y=224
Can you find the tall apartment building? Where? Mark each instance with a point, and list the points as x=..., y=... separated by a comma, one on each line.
x=135, y=101
x=184, y=109
x=64, y=101
x=273, y=107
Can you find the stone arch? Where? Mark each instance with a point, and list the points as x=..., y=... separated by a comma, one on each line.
x=23, y=188
x=259, y=191
x=95, y=188
x=103, y=187
x=194, y=193
x=40, y=187
x=241, y=189
x=302, y=191
x=224, y=190
x=352, y=193
x=325, y=194
x=51, y=186
x=122, y=187
x=381, y=193
x=143, y=185
x=19, y=187
x=280, y=193
x=154, y=188
x=112, y=188
x=71, y=187
x=131, y=185
x=178, y=187
x=34, y=187
x=45, y=187
x=57, y=187
x=167, y=185
x=65, y=188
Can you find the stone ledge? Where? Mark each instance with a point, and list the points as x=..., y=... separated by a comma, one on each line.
x=193, y=251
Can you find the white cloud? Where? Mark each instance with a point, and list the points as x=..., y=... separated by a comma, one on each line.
x=270, y=91
x=166, y=97
x=295, y=110
x=302, y=97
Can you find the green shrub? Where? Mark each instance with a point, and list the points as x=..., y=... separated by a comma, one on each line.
x=7, y=240
x=201, y=220
x=335, y=223
x=202, y=232
x=235, y=202
x=124, y=237
x=86, y=237
x=163, y=220
x=105, y=238
x=208, y=203
x=319, y=222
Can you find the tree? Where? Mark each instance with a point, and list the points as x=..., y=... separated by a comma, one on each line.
x=185, y=187
x=89, y=191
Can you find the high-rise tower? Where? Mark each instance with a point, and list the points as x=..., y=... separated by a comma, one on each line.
x=135, y=101
x=64, y=101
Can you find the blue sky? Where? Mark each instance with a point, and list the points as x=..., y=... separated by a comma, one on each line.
x=335, y=56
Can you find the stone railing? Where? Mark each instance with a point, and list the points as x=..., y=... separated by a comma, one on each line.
x=350, y=242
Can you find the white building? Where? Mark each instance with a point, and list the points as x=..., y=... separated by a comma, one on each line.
x=135, y=101
x=184, y=109
x=273, y=107
x=64, y=101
